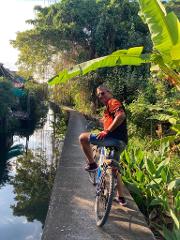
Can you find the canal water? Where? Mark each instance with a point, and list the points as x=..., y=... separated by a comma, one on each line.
x=26, y=181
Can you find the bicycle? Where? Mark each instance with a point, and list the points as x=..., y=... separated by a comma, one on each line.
x=106, y=182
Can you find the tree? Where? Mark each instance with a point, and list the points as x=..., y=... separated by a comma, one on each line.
x=128, y=31
x=165, y=34
x=7, y=98
x=34, y=54
x=79, y=30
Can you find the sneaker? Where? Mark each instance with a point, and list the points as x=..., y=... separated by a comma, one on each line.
x=92, y=167
x=121, y=200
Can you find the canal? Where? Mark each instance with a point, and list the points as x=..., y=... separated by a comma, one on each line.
x=26, y=180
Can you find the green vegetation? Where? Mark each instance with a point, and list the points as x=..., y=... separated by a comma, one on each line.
x=153, y=184
x=166, y=44
x=6, y=97
x=72, y=31
x=7, y=102
x=31, y=101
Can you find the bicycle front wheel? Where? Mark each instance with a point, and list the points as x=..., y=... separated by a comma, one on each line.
x=104, y=197
x=93, y=177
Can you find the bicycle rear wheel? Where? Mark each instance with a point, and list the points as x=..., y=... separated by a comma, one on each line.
x=104, y=197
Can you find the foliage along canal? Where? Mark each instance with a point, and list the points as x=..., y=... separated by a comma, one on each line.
x=26, y=180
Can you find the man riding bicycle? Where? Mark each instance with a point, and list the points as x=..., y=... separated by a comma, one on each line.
x=114, y=133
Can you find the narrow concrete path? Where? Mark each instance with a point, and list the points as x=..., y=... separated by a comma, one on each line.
x=71, y=211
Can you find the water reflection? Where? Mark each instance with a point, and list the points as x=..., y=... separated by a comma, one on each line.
x=4, y=170
x=26, y=180
x=5, y=165
x=32, y=186
x=15, y=228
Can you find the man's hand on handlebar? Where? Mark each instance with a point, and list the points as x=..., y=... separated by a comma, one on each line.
x=102, y=134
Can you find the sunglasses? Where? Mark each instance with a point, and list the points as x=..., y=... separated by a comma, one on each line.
x=100, y=94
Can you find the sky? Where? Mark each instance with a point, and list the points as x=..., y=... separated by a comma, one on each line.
x=13, y=15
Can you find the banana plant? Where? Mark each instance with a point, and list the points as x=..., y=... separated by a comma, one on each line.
x=165, y=35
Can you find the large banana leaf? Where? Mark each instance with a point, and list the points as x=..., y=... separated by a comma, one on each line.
x=165, y=34
x=164, y=28
x=131, y=56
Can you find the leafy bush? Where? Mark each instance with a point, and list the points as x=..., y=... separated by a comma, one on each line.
x=151, y=181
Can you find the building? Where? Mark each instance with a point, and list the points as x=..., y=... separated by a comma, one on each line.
x=18, y=82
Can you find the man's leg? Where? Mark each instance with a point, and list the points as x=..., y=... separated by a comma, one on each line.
x=119, y=186
x=86, y=147
x=120, y=195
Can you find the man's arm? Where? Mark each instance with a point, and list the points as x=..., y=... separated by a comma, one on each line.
x=119, y=118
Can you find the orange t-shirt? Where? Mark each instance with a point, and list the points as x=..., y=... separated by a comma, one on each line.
x=113, y=105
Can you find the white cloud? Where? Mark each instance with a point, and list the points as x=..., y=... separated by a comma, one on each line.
x=13, y=15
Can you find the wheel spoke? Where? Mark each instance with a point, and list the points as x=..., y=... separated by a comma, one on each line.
x=104, y=197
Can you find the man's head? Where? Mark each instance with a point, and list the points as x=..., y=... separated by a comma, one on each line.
x=103, y=93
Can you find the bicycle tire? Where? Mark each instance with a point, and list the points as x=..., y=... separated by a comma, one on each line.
x=93, y=175
x=104, y=187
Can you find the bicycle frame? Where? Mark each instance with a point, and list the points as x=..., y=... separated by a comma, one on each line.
x=106, y=183
x=108, y=160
